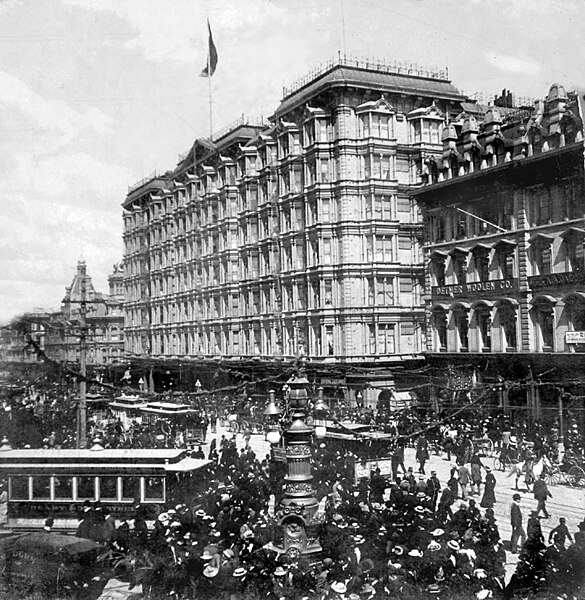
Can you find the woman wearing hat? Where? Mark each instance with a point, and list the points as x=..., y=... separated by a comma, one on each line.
x=489, y=494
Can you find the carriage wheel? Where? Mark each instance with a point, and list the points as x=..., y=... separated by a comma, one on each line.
x=245, y=426
x=497, y=464
x=576, y=476
x=553, y=478
x=234, y=427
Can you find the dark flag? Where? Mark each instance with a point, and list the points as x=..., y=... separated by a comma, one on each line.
x=211, y=57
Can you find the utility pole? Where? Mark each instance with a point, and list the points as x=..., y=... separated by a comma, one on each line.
x=82, y=405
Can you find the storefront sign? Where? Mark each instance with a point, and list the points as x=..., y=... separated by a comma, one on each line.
x=575, y=337
x=555, y=279
x=497, y=286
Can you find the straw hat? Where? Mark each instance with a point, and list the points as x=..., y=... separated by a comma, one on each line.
x=210, y=571
x=453, y=545
x=240, y=572
x=279, y=572
x=339, y=587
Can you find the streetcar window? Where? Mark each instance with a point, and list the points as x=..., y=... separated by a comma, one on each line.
x=63, y=487
x=131, y=488
x=154, y=489
x=108, y=488
x=19, y=488
x=42, y=487
x=86, y=488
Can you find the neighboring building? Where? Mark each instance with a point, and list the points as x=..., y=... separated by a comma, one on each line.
x=293, y=238
x=57, y=333
x=504, y=232
x=104, y=318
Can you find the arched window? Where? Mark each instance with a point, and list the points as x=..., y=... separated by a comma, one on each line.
x=507, y=316
x=439, y=327
x=575, y=317
x=482, y=317
x=543, y=317
x=461, y=325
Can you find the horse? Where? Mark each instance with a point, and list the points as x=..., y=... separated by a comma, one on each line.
x=531, y=474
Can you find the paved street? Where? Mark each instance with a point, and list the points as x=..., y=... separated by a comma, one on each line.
x=566, y=502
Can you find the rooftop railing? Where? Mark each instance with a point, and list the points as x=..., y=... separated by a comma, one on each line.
x=241, y=121
x=374, y=64
x=144, y=180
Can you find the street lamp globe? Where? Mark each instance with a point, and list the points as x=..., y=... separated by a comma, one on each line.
x=273, y=437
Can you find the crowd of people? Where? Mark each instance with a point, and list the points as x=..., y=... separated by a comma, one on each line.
x=381, y=537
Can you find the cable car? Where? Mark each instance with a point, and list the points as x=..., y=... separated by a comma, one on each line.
x=59, y=483
x=174, y=420
x=127, y=409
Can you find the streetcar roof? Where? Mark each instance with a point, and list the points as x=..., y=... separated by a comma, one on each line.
x=111, y=460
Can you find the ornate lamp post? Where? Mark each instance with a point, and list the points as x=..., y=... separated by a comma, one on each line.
x=299, y=513
x=272, y=413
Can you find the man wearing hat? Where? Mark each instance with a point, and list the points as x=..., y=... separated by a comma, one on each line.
x=541, y=493
x=516, y=522
x=433, y=489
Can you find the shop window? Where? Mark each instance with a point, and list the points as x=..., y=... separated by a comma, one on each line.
x=41, y=487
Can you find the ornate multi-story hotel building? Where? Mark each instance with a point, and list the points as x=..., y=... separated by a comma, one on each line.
x=297, y=237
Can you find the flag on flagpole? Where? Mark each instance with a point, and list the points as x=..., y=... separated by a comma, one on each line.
x=211, y=56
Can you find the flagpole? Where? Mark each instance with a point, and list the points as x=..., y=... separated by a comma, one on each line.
x=209, y=90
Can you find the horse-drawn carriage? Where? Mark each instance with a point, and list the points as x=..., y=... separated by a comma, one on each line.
x=243, y=415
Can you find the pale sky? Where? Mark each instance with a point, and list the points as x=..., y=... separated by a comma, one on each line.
x=96, y=94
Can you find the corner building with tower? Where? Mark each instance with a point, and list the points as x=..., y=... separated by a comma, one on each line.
x=296, y=237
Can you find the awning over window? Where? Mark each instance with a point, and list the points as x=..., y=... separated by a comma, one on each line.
x=458, y=250
x=573, y=231
x=479, y=248
x=541, y=238
x=505, y=245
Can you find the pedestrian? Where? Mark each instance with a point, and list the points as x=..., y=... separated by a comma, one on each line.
x=541, y=493
x=422, y=453
x=518, y=532
x=489, y=495
x=464, y=479
x=433, y=489
x=476, y=481
x=560, y=533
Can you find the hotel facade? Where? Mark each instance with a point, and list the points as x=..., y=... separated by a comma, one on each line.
x=297, y=237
